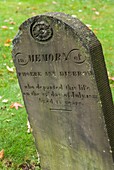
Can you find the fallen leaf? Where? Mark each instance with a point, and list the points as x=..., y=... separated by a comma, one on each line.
x=89, y=26
x=4, y=27
x=5, y=101
x=12, y=23
x=95, y=30
x=8, y=40
x=6, y=20
x=11, y=28
x=54, y=2
x=97, y=13
x=10, y=69
x=15, y=105
x=11, y=61
x=6, y=45
x=74, y=16
x=33, y=13
x=93, y=9
x=2, y=154
x=111, y=78
x=19, y=3
x=29, y=129
x=79, y=10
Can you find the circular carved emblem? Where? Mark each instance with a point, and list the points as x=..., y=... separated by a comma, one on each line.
x=41, y=31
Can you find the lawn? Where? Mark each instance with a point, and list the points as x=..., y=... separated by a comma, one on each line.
x=18, y=145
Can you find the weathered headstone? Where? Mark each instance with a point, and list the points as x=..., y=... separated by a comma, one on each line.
x=62, y=75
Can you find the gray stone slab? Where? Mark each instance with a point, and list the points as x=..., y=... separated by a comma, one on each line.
x=63, y=79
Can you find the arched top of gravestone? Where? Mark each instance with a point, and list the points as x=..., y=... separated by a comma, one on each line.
x=45, y=22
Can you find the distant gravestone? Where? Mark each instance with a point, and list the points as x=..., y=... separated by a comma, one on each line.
x=62, y=75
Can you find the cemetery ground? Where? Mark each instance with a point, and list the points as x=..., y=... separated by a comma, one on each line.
x=16, y=144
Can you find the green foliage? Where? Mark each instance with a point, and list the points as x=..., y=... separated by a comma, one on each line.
x=17, y=143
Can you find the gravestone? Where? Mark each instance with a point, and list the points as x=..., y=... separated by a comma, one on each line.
x=63, y=79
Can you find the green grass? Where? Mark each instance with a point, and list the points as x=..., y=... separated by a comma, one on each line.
x=17, y=143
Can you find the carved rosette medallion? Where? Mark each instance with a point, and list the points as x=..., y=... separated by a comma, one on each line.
x=41, y=31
